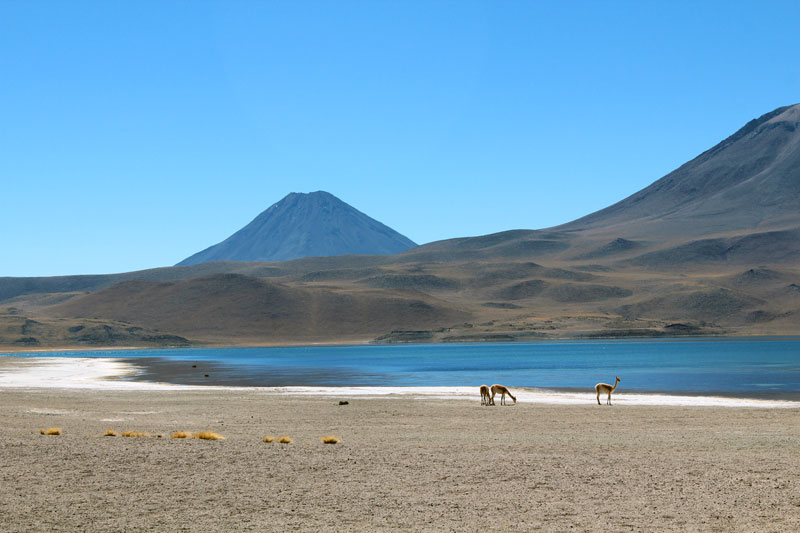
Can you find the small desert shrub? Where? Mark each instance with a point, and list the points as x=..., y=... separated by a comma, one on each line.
x=135, y=434
x=285, y=439
x=208, y=435
x=110, y=433
x=181, y=435
x=268, y=438
x=51, y=431
x=330, y=439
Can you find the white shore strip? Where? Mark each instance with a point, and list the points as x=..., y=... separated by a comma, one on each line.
x=72, y=373
x=529, y=395
x=110, y=374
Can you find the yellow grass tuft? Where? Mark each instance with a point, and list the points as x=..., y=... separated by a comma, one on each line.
x=51, y=431
x=268, y=438
x=208, y=435
x=135, y=434
x=285, y=439
x=330, y=439
x=110, y=433
x=181, y=435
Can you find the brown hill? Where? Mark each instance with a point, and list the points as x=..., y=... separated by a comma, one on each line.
x=226, y=306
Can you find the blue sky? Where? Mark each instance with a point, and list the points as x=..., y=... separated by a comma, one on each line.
x=133, y=135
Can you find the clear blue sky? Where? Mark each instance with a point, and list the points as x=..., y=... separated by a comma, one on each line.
x=134, y=134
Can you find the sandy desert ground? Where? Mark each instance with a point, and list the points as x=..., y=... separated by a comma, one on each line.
x=402, y=464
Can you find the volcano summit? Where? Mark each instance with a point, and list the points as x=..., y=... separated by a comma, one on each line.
x=316, y=224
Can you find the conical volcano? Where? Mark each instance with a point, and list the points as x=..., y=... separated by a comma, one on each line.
x=316, y=224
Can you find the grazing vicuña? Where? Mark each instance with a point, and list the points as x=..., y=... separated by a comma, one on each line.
x=285, y=439
x=330, y=439
x=110, y=433
x=502, y=390
x=486, y=399
x=268, y=438
x=51, y=431
x=181, y=435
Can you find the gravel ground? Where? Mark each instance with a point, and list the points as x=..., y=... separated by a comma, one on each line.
x=402, y=464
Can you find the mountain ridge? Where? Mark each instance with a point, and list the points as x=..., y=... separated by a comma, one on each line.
x=712, y=248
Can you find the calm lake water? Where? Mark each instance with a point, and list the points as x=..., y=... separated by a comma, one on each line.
x=742, y=367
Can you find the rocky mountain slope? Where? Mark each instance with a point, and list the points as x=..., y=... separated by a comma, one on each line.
x=748, y=182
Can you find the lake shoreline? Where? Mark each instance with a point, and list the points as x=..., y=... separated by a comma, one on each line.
x=119, y=374
x=159, y=370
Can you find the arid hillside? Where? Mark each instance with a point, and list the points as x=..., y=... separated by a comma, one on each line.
x=221, y=307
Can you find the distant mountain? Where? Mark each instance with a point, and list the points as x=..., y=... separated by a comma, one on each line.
x=712, y=248
x=736, y=203
x=748, y=182
x=306, y=225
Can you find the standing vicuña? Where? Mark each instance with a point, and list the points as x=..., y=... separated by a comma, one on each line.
x=503, y=391
x=605, y=388
x=485, y=399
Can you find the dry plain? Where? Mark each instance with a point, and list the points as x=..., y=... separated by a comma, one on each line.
x=402, y=464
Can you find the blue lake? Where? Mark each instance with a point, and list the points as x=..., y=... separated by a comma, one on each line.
x=743, y=367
